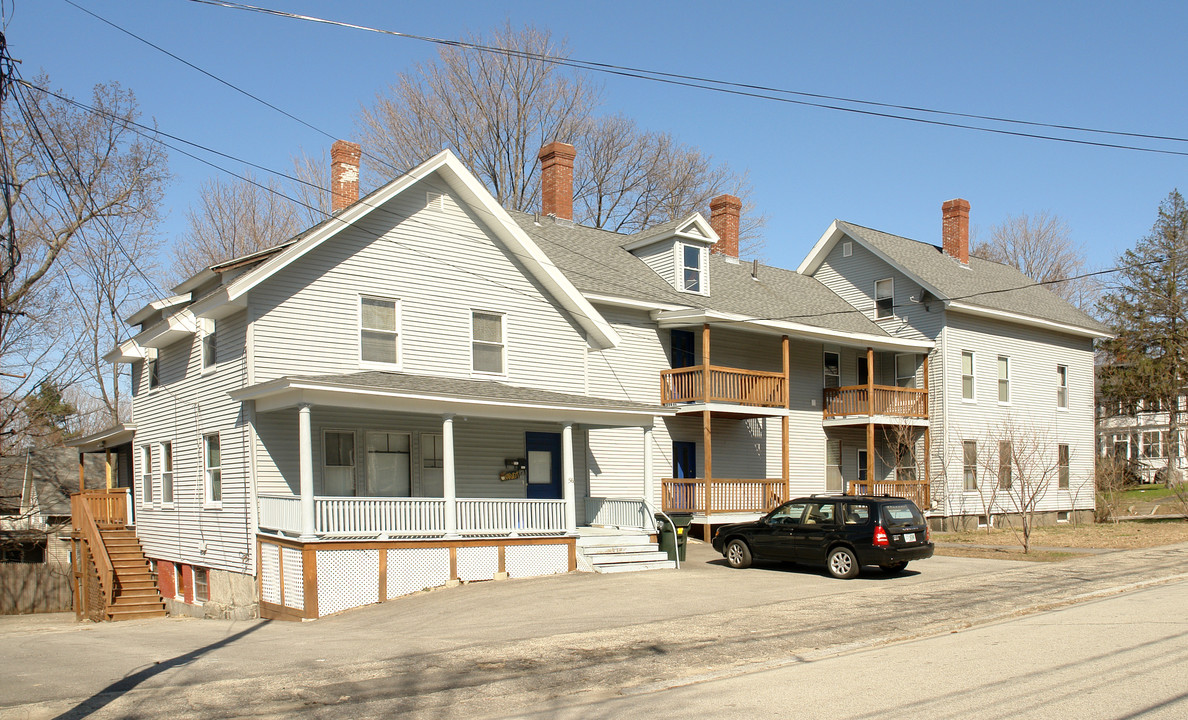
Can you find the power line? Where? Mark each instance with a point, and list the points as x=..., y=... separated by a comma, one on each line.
x=744, y=89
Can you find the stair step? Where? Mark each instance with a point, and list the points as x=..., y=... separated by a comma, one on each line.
x=614, y=549
x=619, y=558
x=136, y=615
x=635, y=567
x=613, y=541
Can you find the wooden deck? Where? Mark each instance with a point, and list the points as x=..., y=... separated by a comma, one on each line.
x=918, y=492
x=878, y=400
x=709, y=384
x=722, y=495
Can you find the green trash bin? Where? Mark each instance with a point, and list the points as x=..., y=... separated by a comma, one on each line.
x=674, y=535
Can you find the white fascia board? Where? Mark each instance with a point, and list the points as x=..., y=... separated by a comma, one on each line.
x=446, y=164
x=218, y=305
x=168, y=331
x=831, y=237
x=126, y=352
x=709, y=238
x=616, y=301
x=1027, y=320
x=287, y=393
x=791, y=329
x=196, y=280
x=109, y=437
x=147, y=311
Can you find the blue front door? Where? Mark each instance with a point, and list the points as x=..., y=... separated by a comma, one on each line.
x=544, y=465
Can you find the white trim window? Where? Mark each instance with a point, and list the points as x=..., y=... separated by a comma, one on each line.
x=146, y=474
x=488, y=349
x=905, y=370
x=1062, y=387
x=210, y=344
x=1005, y=457
x=201, y=582
x=847, y=249
x=166, y=451
x=379, y=330
x=338, y=462
x=1062, y=467
x=969, y=453
x=692, y=269
x=884, y=298
x=967, y=376
x=1004, y=379
x=152, y=368
x=212, y=469
x=832, y=363
x=389, y=464
x=863, y=467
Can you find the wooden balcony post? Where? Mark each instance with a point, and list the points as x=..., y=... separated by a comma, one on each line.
x=785, y=432
x=870, y=382
x=705, y=362
x=709, y=463
x=927, y=410
x=870, y=458
x=928, y=466
x=107, y=466
x=82, y=466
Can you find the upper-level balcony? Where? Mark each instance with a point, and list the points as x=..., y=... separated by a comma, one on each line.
x=862, y=402
x=715, y=384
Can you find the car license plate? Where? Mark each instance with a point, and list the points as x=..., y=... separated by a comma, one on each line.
x=909, y=537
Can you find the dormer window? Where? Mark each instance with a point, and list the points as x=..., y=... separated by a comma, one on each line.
x=692, y=275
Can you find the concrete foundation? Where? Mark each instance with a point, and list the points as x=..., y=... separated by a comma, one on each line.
x=232, y=597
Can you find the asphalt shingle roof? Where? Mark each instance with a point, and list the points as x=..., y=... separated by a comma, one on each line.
x=983, y=283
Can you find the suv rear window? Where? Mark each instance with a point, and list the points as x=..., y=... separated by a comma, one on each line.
x=857, y=514
x=901, y=515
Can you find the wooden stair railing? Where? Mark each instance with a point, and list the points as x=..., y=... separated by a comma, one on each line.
x=126, y=581
x=86, y=524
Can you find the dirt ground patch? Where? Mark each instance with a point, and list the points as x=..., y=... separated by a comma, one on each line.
x=1127, y=535
x=1005, y=553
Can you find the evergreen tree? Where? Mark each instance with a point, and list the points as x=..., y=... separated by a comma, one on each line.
x=1148, y=309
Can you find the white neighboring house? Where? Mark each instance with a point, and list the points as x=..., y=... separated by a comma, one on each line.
x=426, y=388
x=1139, y=435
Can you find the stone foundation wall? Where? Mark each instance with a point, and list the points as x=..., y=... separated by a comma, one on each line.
x=232, y=597
x=970, y=522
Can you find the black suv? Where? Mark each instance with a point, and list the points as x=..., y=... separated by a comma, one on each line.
x=841, y=532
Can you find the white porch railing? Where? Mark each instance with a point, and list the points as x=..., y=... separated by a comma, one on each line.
x=376, y=516
x=507, y=516
x=619, y=512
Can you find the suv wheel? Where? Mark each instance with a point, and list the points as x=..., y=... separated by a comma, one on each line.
x=842, y=563
x=893, y=568
x=738, y=554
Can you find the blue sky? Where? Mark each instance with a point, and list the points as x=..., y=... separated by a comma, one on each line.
x=1103, y=65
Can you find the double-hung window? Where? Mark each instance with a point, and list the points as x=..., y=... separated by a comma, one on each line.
x=967, y=375
x=146, y=474
x=201, y=584
x=1004, y=379
x=1004, y=464
x=832, y=369
x=970, y=464
x=905, y=370
x=379, y=330
x=167, y=472
x=1062, y=387
x=488, y=348
x=213, y=468
x=691, y=268
x=884, y=298
x=152, y=369
x=210, y=345
x=1062, y=466
x=338, y=465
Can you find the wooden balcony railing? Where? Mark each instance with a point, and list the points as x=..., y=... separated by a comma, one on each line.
x=916, y=491
x=89, y=509
x=725, y=495
x=892, y=401
x=730, y=385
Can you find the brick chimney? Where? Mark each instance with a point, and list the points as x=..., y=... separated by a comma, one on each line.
x=344, y=174
x=955, y=229
x=556, y=179
x=724, y=213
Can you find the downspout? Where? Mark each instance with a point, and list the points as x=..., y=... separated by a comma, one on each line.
x=944, y=396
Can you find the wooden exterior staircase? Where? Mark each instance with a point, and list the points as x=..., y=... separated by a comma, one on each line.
x=113, y=580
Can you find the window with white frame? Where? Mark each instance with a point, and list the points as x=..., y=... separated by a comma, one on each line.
x=905, y=462
x=691, y=268
x=833, y=459
x=379, y=330
x=1004, y=379
x=152, y=370
x=832, y=369
x=146, y=474
x=1062, y=387
x=1151, y=444
x=863, y=467
x=201, y=584
x=847, y=249
x=432, y=452
x=969, y=453
x=1004, y=464
x=338, y=462
x=166, y=451
x=210, y=344
x=488, y=349
x=967, y=375
x=389, y=466
x=905, y=370
x=212, y=459
x=1062, y=467
x=884, y=298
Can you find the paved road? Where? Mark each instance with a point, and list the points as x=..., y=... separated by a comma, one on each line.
x=507, y=648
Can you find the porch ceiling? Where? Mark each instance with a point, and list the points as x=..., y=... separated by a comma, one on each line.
x=401, y=392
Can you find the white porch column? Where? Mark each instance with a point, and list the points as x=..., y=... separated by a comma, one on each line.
x=449, y=490
x=567, y=475
x=305, y=466
x=649, y=478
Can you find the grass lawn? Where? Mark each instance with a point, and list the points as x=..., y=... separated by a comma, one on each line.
x=1148, y=493
x=1119, y=536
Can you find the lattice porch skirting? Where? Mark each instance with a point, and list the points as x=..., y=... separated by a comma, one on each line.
x=304, y=581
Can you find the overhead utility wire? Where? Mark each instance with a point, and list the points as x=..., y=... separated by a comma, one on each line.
x=739, y=89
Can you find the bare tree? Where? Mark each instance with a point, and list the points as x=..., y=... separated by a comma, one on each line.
x=235, y=218
x=1041, y=247
x=1019, y=475
x=497, y=109
x=74, y=178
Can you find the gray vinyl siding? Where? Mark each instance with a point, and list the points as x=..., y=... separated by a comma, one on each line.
x=1032, y=412
x=480, y=448
x=187, y=405
x=666, y=260
x=854, y=278
x=440, y=264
